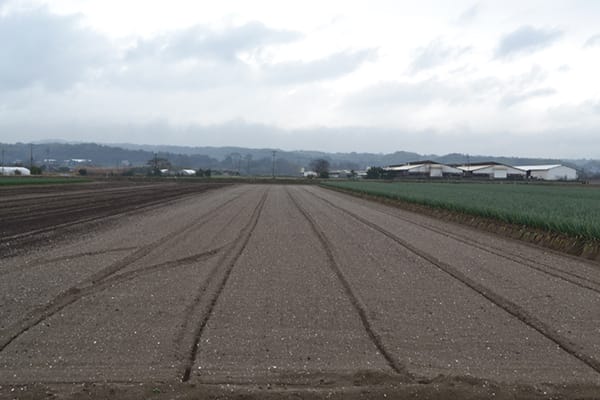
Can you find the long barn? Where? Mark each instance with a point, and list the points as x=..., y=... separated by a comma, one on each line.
x=552, y=172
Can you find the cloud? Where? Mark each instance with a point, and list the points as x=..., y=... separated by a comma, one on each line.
x=37, y=47
x=469, y=14
x=330, y=67
x=522, y=82
x=386, y=94
x=593, y=41
x=526, y=39
x=201, y=58
x=434, y=54
x=512, y=99
x=200, y=42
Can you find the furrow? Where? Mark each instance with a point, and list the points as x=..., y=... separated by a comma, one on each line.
x=360, y=308
x=212, y=288
x=103, y=213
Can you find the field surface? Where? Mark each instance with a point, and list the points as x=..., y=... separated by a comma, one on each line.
x=572, y=210
x=270, y=291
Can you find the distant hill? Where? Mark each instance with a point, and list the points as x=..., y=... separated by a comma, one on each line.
x=245, y=160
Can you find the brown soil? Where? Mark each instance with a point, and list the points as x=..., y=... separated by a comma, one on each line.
x=271, y=291
x=36, y=214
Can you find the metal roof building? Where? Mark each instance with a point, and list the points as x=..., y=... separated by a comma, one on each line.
x=424, y=168
x=492, y=170
x=551, y=172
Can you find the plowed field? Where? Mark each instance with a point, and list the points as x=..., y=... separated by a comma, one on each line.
x=258, y=291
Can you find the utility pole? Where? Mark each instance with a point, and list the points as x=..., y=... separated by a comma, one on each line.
x=30, y=156
x=273, y=164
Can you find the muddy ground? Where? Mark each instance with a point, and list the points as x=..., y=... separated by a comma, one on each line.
x=258, y=291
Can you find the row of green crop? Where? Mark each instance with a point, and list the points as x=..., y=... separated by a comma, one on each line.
x=26, y=180
x=574, y=211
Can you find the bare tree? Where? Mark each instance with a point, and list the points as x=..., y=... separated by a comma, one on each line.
x=321, y=167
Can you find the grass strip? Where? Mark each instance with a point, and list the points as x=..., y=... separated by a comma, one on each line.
x=14, y=181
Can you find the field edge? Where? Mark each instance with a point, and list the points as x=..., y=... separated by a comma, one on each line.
x=588, y=249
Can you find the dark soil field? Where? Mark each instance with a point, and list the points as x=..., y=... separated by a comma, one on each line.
x=190, y=291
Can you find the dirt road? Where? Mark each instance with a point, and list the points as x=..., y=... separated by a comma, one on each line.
x=264, y=291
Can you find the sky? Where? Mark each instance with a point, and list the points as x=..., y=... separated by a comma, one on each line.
x=513, y=78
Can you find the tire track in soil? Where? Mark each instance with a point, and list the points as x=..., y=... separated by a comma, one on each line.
x=130, y=275
x=42, y=261
x=213, y=287
x=558, y=273
x=507, y=305
x=75, y=293
x=360, y=308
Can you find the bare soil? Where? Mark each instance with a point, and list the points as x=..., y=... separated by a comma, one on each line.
x=258, y=291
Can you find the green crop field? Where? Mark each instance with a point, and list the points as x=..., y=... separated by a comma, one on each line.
x=26, y=180
x=574, y=211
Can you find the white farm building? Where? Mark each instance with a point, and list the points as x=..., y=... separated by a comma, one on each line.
x=424, y=168
x=187, y=172
x=492, y=171
x=10, y=171
x=553, y=172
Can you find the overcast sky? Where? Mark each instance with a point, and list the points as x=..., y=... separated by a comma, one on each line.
x=515, y=78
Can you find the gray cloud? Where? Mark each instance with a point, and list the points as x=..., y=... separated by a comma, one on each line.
x=526, y=39
x=158, y=74
x=434, y=54
x=593, y=41
x=199, y=42
x=37, y=47
x=508, y=92
x=201, y=58
x=330, y=67
x=512, y=99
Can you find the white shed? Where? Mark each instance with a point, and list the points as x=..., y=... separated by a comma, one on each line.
x=552, y=172
x=492, y=170
x=425, y=168
x=187, y=172
x=10, y=171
